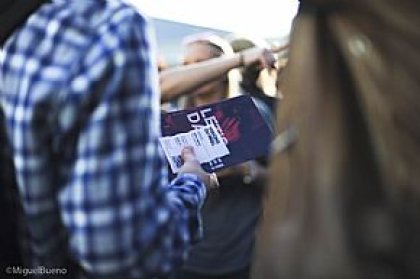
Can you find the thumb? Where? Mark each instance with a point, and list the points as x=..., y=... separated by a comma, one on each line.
x=188, y=154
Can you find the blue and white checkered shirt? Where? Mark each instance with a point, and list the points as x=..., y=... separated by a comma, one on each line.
x=78, y=85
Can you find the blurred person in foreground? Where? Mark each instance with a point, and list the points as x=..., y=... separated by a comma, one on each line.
x=344, y=200
x=78, y=88
x=231, y=213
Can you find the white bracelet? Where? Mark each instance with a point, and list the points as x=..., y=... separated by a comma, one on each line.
x=251, y=174
x=214, y=182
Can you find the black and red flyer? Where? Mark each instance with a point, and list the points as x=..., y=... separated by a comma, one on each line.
x=237, y=120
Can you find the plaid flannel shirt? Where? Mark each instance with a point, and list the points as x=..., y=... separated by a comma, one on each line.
x=78, y=87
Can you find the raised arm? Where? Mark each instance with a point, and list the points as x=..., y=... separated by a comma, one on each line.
x=180, y=80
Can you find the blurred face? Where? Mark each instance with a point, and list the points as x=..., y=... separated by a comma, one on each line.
x=197, y=52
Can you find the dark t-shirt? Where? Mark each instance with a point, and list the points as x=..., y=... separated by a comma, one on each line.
x=230, y=216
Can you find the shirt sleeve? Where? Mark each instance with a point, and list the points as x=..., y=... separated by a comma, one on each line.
x=122, y=217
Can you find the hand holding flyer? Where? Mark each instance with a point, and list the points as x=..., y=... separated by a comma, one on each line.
x=206, y=142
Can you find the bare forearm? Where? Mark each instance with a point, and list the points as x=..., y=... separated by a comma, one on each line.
x=183, y=79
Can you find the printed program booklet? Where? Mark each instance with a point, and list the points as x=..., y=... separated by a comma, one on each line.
x=222, y=134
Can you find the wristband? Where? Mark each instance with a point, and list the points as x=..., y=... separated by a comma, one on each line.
x=214, y=182
x=250, y=175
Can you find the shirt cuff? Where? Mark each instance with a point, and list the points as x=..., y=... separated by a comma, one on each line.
x=189, y=193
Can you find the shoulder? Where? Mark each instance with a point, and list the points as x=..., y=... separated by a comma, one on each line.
x=97, y=30
x=93, y=17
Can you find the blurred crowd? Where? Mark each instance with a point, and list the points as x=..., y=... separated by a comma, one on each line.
x=85, y=185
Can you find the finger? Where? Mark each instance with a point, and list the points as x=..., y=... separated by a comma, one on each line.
x=188, y=154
